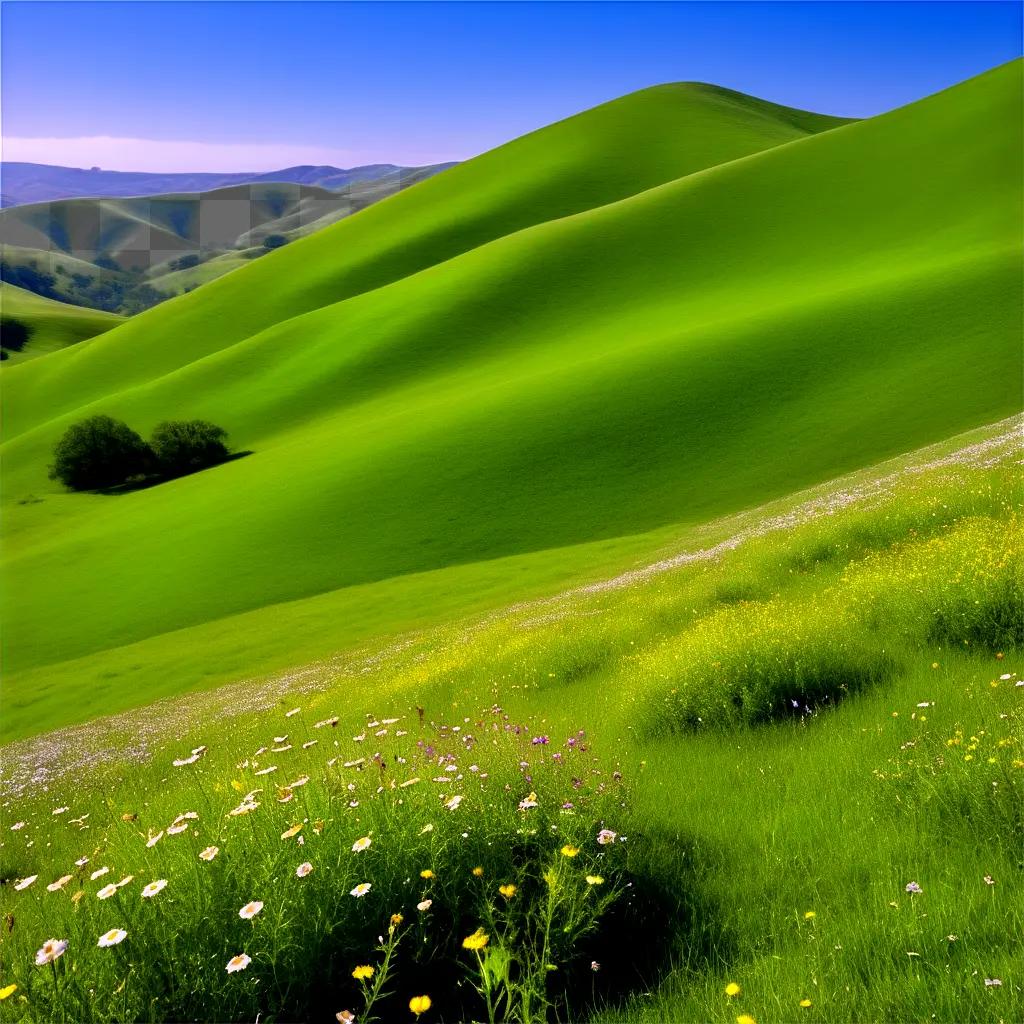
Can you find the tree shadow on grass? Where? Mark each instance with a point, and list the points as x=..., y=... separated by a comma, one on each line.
x=144, y=483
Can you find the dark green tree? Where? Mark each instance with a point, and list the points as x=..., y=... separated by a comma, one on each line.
x=274, y=241
x=184, y=446
x=99, y=452
x=13, y=334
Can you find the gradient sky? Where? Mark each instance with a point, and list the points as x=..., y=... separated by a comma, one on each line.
x=257, y=86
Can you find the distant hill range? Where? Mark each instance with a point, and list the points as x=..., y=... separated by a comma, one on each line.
x=22, y=183
x=125, y=254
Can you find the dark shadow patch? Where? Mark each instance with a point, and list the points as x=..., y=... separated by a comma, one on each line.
x=144, y=483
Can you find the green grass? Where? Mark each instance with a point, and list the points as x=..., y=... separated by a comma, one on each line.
x=53, y=325
x=527, y=372
x=736, y=827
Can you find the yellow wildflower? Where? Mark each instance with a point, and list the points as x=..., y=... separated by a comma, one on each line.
x=419, y=1004
x=508, y=891
x=732, y=989
x=595, y=880
x=805, y=1004
x=809, y=915
x=569, y=851
x=427, y=873
x=7, y=990
x=478, y=872
x=363, y=972
x=477, y=940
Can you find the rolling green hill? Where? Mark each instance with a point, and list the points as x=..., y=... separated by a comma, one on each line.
x=493, y=384
x=52, y=325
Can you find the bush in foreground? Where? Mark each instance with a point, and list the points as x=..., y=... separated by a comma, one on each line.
x=185, y=446
x=99, y=452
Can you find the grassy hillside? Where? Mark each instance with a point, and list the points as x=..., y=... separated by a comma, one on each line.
x=855, y=857
x=52, y=325
x=601, y=156
x=435, y=385
x=128, y=254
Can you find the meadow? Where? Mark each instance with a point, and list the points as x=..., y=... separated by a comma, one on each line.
x=780, y=779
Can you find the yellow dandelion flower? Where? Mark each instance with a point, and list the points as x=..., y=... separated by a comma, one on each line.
x=363, y=972
x=478, y=872
x=745, y=1018
x=732, y=989
x=477, y=940
x=419, y=1004
x=805, y=1004
x=809, y=915
x=427, y=873
x=396, y=919
x=569, y=851
x=7, y=990
x=595, y=880
x=508, y=891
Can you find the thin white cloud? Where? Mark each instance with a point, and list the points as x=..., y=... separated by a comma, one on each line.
x=162, y=155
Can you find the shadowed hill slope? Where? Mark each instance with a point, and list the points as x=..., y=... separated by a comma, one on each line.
x=52, y=325
x=716, y=340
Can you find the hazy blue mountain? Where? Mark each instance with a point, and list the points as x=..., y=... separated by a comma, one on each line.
x=22, y=183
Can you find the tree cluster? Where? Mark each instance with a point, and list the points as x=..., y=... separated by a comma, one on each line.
x=100, y=452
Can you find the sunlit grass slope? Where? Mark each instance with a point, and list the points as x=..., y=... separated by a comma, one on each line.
x=602, y=155
x=53, y=325
x=835, y=837
x=696, y=348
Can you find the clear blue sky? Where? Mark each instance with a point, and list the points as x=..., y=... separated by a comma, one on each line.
x=418, y=82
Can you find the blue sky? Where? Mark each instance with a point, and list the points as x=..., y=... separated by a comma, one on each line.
x=254, y=86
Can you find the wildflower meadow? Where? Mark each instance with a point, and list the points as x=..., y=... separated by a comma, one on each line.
x=782, y=783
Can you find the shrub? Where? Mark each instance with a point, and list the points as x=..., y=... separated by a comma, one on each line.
x=99, y=452
x=13, y=334
x=185, y=446
x=274, y=241
x=185, y=262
